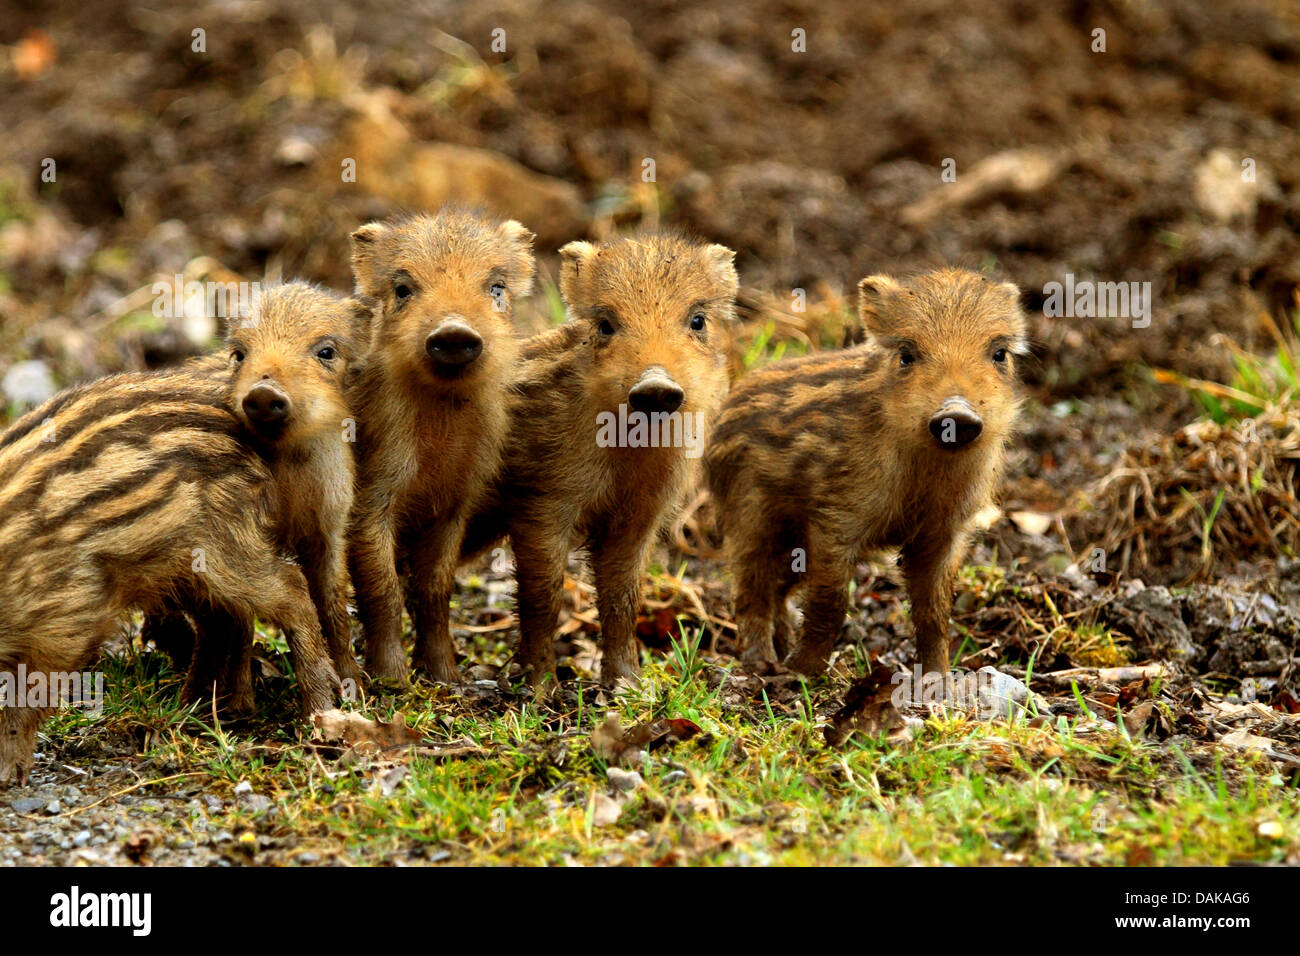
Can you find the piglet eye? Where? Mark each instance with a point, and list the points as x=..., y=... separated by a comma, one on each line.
x=1000, y=356
x=237, y=355
x=697, y=322
x=497, y=290
x=326, y=354
x=606, y=327
x=906, y=358
x=402, y=291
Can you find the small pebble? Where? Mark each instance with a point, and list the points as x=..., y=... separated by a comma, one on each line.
x=625, y=780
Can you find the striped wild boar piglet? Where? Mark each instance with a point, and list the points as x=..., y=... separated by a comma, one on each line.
x=818, y=462
x=431, y=414
x=609, y=423
x=136, y=491
x=290, y=363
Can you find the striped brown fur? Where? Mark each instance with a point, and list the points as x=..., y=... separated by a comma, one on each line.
x=432, y=417
x=136, y=491
x=631, y=305
x=833, y=454
x=306, y=346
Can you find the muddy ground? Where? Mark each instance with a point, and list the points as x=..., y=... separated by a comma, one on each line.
x=818, y=166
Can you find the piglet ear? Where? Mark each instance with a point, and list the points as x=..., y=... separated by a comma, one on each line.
x=361, y=309
x=361, y=313
x=370, y=232
x=365, y=257
x=574, y=261
x=874, y=293
x=723, y=263
x=1009, y=293
x=513, y=231
x=523, y=267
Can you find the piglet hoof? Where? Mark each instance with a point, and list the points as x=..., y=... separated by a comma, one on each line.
x=758, y=660
x=438, y=668
x=388, y=668
x=539, y=672
x=319, y=688
x=14, y=773
x=350, y=673
x=620, y=675
x=808, y=661
x=239, y=706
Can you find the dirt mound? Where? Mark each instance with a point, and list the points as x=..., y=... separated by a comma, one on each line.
x=1205, y=501
x=811, y=137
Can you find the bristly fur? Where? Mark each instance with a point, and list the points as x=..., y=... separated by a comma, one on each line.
x=429, y=444
x=280, y=345
x=136, y=491
x=832, y=454
x=558, y=487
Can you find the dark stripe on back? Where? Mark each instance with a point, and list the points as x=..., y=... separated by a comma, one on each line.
x=134, y=433
x=160, y=386
x=126, y=517
x=28, y=423
x=97, y=411
x=191, y=465
x=811, y=378
x=848, y=404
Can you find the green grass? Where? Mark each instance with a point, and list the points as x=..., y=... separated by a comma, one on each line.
x=763, y=349
x=1259, y=382
x=759, y=785
x=553, y=302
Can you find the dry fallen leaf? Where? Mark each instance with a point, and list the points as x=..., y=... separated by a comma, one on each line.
x=660, y=733
x=605, y=809
x=659, y=628
x=1145, y=719
x=1244, y=740
x=1139, y=856
x=611, y=743
x=363, y=734
x=868, y=706
x=136, y=847
x=33, y=55
x=607, y=739
x=1031, y=522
